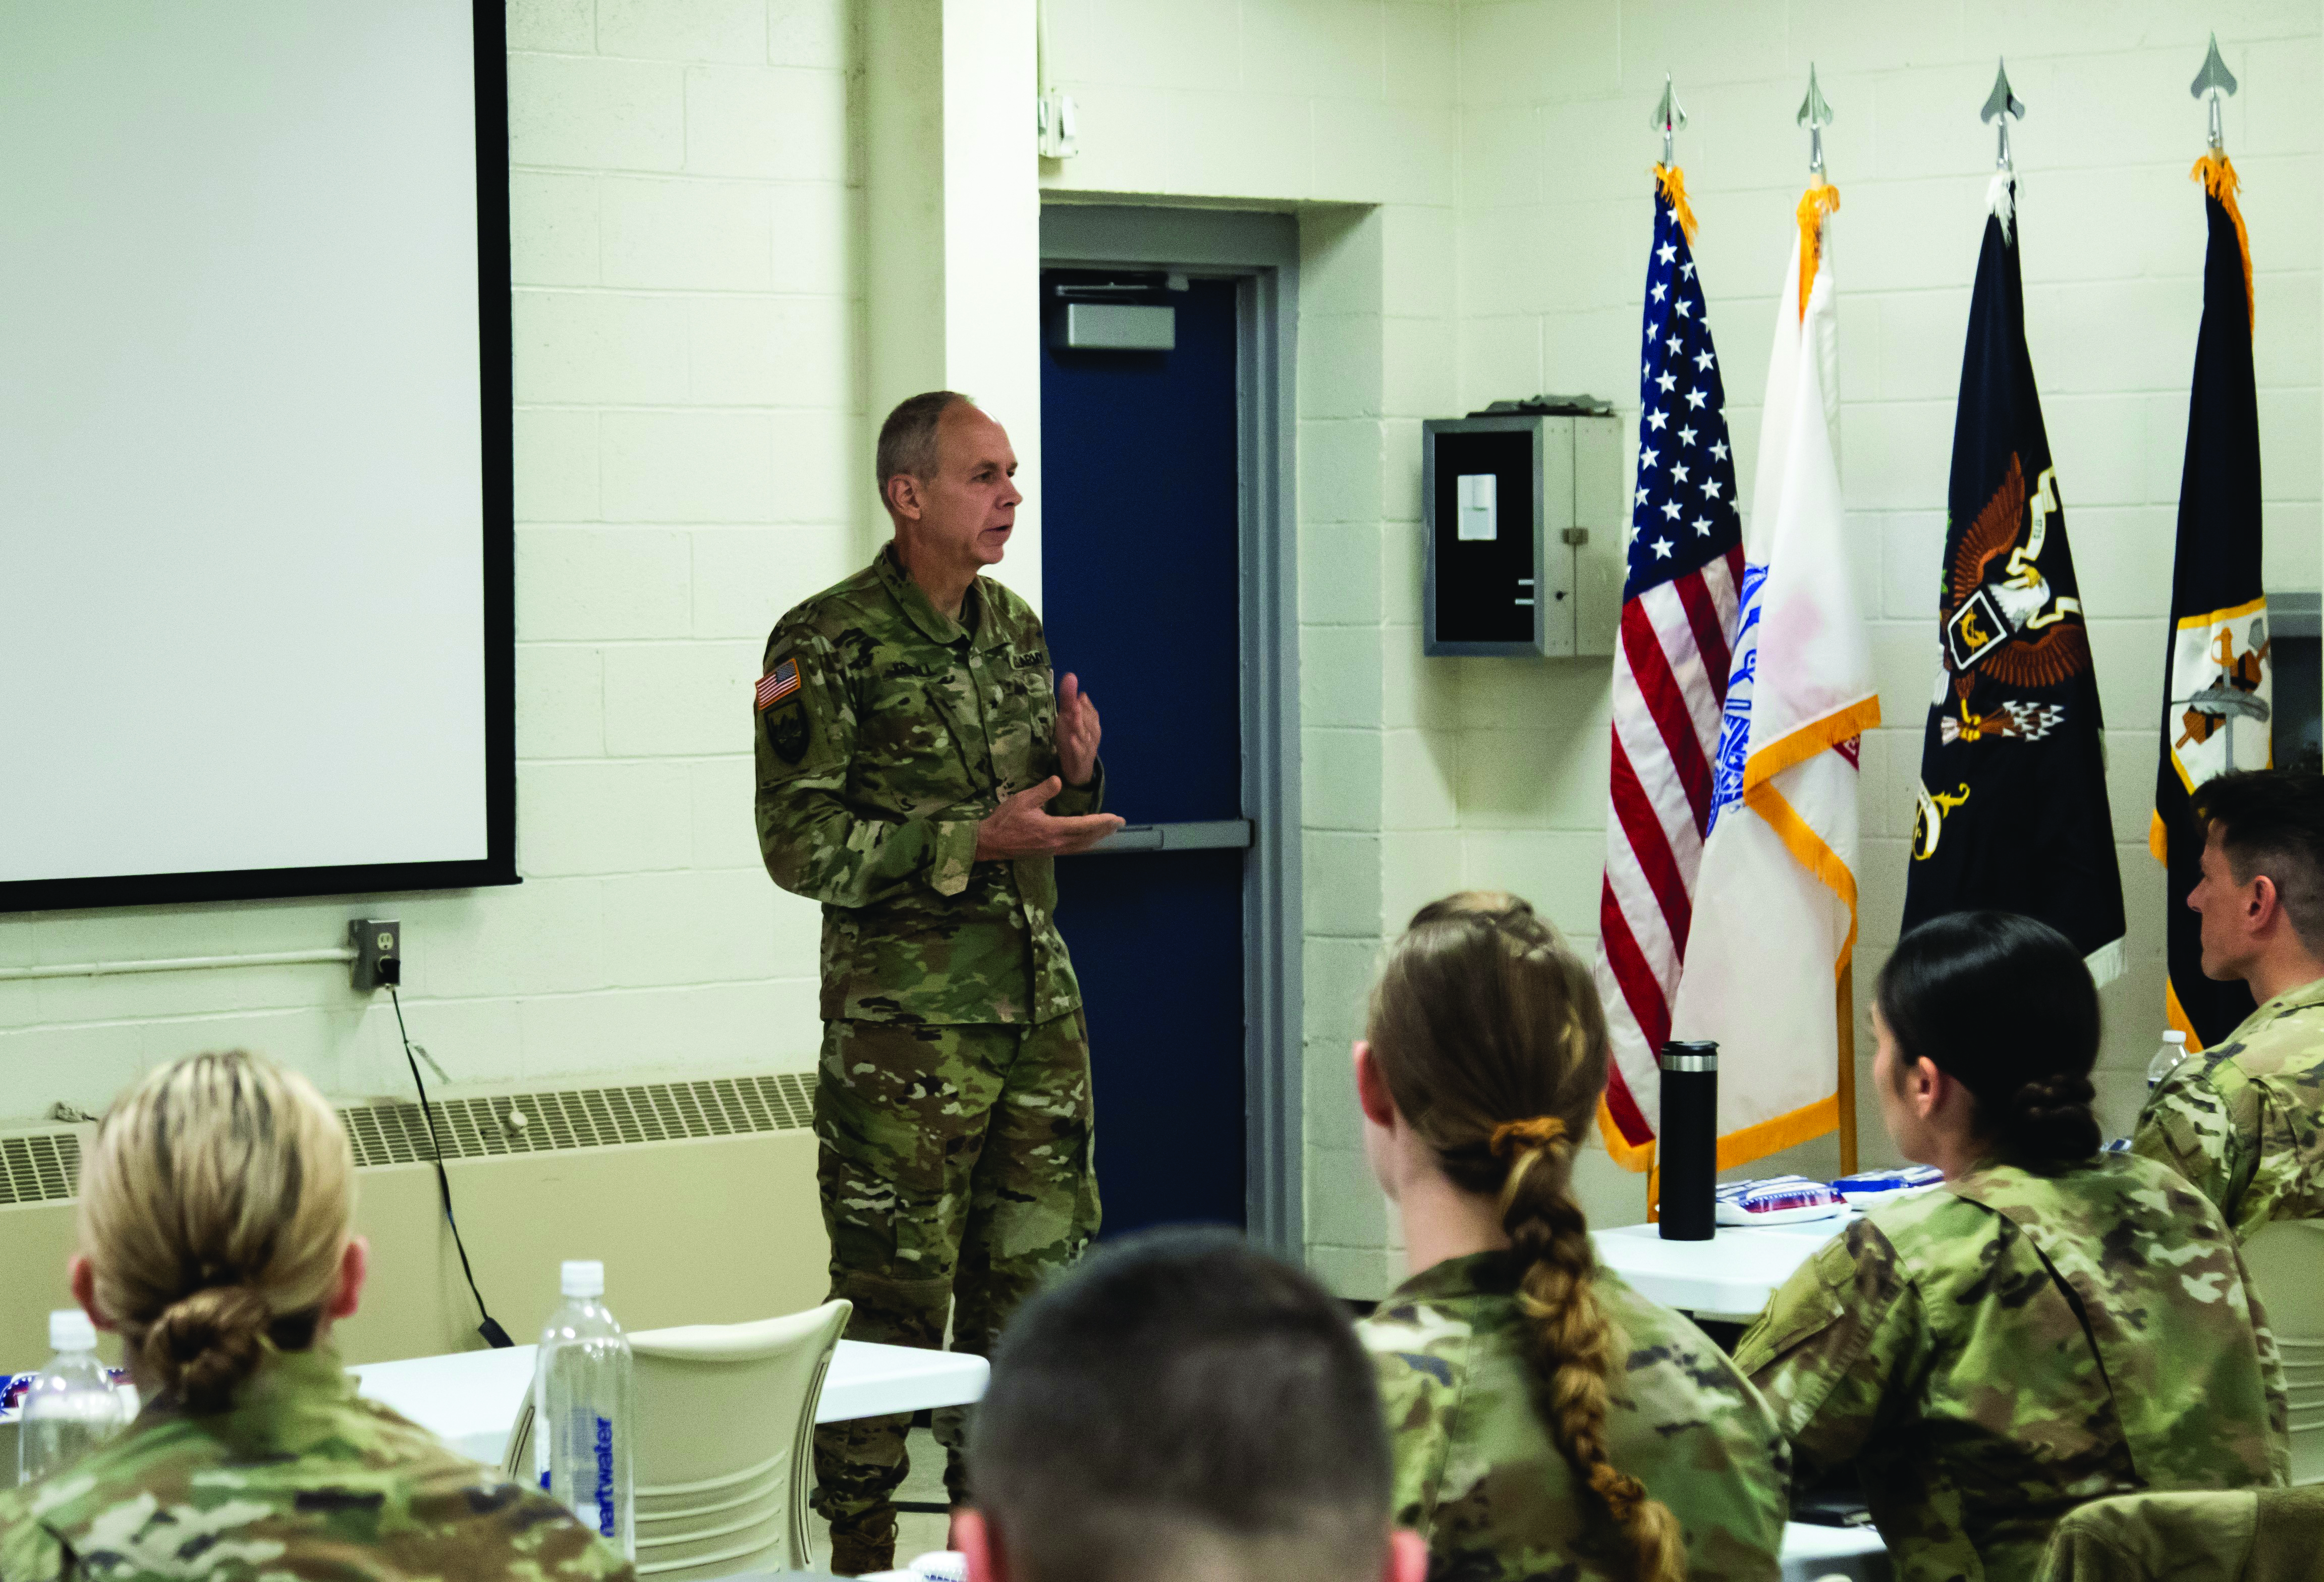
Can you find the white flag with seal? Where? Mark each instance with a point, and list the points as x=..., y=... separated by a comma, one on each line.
x=1774, y=907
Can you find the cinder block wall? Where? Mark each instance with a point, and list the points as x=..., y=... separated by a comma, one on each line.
x=1344, y=113
x=690, y=461
x=1556, y=207
x=1470, y=182
x=1421, y=775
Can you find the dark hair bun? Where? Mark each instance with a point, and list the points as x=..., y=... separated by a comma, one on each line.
x=2050, y=1120
x=2004, y=1005
x=204, y=1346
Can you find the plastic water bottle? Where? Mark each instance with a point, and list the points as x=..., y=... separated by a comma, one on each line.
x=72, y=1407
x=585, y=1409
x=2166, y=1058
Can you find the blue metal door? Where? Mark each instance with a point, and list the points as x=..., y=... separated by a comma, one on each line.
x=1140, y=540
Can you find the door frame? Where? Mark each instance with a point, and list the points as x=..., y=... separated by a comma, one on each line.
x=1261, y=251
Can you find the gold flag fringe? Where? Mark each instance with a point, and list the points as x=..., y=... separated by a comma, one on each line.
x=1817, y=201
x=1672, y=180
x=2218, y=179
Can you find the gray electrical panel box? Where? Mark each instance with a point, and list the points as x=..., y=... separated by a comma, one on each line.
x=1524, y=526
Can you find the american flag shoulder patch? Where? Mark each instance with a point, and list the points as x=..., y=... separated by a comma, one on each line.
x=778, y=683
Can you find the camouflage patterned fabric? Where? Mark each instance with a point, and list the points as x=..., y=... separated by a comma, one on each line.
x=904, y=729
x=1994, y=1351
x=2245, y=1119
x=1478, y=1475
x=2271, y=1535
x=299, y=1479
x=954, y=1104
x=956, y=1174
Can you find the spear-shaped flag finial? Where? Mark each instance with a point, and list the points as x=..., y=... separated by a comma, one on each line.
x=2214, y=80
x=1999, y=105
x=1669, y=116
x=1815, y=115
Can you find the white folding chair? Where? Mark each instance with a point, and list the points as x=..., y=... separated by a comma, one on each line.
x=2286, y=1261
x=722, y=1454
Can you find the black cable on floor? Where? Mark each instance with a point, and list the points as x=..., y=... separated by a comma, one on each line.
x=490, y=1328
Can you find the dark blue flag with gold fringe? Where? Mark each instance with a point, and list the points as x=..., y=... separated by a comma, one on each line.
x=2012, y=799
x=2217, y=697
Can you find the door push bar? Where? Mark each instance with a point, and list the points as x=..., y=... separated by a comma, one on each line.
x=1201, y=834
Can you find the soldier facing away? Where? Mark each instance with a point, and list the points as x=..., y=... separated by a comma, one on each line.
x=2049, y=1323
x=216, y=1216
x=1547, y=1419
x=916, y=776
x=2244, y=1120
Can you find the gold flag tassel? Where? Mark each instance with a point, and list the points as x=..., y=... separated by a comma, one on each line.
x=2219, y=177
x=1672, y=182
x=1817, y=201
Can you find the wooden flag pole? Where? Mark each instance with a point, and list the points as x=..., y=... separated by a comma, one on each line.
x=1847, y=1010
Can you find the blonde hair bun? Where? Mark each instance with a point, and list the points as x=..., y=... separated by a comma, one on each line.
x=204, y=1346
x=216, y=1205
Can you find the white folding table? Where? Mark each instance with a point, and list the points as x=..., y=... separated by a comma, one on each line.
x=470, y=1398
x=1731, y=1275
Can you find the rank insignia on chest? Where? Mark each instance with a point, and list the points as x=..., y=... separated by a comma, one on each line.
x=778, y=683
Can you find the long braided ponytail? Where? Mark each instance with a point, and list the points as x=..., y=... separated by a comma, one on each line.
x=1490, y=1034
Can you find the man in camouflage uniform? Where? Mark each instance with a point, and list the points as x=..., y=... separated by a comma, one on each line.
x=2244, y=1120
x=916, y=776
x=1479, y=1476
x=1996, y=1351
x=299, y=1478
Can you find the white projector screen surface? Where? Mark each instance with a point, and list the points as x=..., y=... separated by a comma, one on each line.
x=247, y=516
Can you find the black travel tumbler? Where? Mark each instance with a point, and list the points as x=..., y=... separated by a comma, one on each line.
x=1688, y=1148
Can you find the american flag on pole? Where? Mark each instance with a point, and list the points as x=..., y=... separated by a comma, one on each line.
x=1670, y=674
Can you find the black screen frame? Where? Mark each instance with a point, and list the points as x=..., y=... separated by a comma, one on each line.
x=495, y=388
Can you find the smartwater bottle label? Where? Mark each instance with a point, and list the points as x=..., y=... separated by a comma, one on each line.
x=605, y=1478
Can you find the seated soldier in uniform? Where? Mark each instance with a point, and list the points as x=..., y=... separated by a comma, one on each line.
x=1547, y=1419
x=1181, y=1409
x=216, y=1235
x=2244, y=1120
x=2050, y=1323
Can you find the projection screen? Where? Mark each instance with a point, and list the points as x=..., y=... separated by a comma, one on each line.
x=255, y=552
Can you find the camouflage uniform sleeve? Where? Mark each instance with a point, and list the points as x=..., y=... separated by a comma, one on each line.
x=1842, y=1328
x=2186, y=1124
x=1417, y=1400
x=814, y=843
x=29, y=1552
x=2286, y=1178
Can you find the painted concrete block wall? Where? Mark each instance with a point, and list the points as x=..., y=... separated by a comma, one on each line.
x=690, y=460
x=1342, y=112
x=1554, y=212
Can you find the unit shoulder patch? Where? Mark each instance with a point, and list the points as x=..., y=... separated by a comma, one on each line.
x=783, y=711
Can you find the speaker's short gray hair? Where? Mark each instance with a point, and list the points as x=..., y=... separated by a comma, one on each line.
x=907, y=438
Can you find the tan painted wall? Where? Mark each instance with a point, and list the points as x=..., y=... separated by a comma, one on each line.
x=712, y=1231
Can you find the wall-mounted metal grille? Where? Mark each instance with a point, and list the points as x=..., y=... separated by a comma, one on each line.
x=43, y=1167
x=581, y=1117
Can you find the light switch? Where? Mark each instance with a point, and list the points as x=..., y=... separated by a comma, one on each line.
x=1479, y=523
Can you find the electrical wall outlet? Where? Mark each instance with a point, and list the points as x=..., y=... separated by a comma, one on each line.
x=379, y=952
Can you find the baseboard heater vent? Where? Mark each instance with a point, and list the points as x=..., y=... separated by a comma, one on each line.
x=43, y=1167
x=579, y=1117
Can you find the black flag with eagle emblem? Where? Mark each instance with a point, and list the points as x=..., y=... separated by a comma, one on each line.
x=2217, y=706
x=2012, y=796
